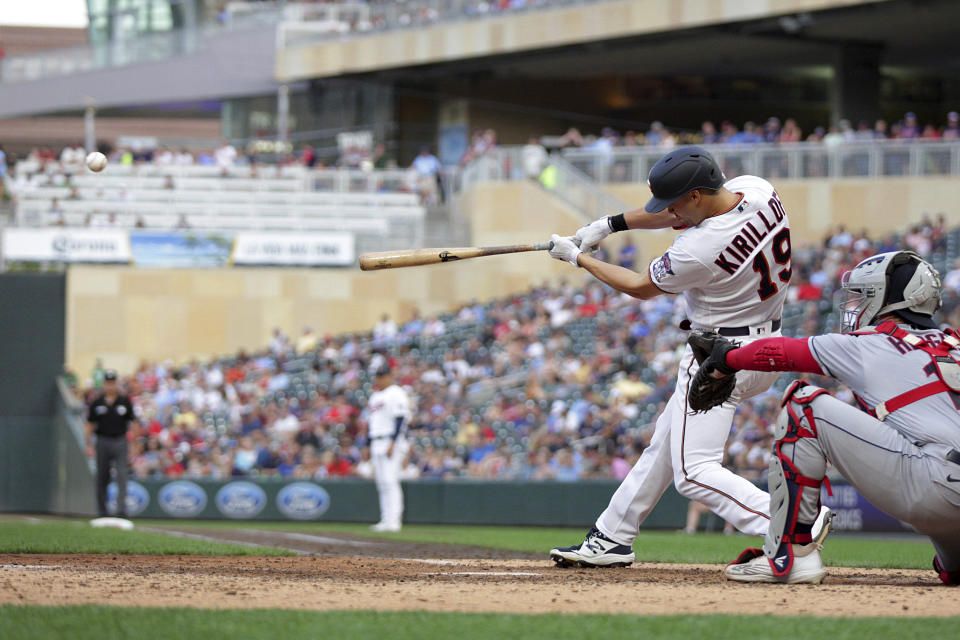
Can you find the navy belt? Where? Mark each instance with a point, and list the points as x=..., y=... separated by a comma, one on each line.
x=744, y=331
x=953, y=456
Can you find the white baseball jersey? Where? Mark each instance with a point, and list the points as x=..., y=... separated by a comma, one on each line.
x=385, y=407
x=733, y=269
x=879, y=367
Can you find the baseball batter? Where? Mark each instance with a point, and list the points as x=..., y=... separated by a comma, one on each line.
x=902, y=451
x=388, y=418
x=732, y=265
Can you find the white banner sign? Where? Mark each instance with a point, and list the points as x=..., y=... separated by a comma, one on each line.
x=66, y=245
x=293, y=249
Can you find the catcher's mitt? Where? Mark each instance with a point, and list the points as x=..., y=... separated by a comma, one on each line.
x=710, y=350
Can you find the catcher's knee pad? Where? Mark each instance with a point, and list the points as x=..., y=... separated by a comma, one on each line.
x=789, y=489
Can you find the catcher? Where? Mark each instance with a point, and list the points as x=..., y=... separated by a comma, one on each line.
x=901, y=450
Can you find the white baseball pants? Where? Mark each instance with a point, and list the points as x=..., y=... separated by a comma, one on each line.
x=688, y=449
x=387, y=474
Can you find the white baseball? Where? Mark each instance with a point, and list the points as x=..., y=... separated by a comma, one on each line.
x=96, y=161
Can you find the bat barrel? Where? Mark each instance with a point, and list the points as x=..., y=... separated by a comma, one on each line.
x=417, y=257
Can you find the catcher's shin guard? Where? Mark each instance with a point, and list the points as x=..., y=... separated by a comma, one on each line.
x=794, y=495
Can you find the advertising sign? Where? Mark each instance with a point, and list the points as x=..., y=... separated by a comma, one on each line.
x=293, y=249
x=66, y=245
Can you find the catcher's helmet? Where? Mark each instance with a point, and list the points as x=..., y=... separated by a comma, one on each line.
x=899, y=282
x=680, y=172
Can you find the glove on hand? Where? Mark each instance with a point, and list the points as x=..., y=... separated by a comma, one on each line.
x=565, y=249
x=706, y=391
x=590, y=235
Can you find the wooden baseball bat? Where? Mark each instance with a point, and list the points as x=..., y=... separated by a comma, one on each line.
x=417, y=257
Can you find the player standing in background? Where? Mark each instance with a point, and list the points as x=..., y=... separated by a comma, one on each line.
x=388, y=420
x=108, y=417
x=902, y=451
x=732, y=265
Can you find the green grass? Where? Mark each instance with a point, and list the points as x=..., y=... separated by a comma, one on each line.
x=844, y=550
x=77, y=536
x=104, y=623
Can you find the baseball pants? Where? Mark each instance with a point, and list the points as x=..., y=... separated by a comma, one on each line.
x=914, y=484
x=112, y=450
x=387, y=474
x=688, y=449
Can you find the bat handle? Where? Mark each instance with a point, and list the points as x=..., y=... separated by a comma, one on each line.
x=543, y=246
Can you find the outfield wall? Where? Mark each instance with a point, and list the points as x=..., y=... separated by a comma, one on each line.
x=460, y=501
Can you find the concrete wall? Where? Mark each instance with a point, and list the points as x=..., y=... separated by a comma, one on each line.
x=523, y=32
x=125, y=314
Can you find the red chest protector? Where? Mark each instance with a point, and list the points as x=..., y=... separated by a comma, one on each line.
x=944, y=365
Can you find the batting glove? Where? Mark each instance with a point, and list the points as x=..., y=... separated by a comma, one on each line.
x=591, y=235
x=565, y=249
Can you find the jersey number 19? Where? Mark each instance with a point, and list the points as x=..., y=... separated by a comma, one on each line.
x=780, y=247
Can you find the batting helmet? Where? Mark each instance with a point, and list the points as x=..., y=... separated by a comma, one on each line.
x=680, y=172
x=899, y=282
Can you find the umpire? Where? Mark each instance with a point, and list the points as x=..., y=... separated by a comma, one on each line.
x=109, y=417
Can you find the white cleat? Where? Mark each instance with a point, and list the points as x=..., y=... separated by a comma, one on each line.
x=807, y=568
x=385, y=527
x=596, y=551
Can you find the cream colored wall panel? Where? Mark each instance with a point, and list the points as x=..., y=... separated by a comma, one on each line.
x=96, y=281
x=99, y=323
x=245, y=326
x=206, y=319
x=262, y=283
x=329, y=285
x=214, y=284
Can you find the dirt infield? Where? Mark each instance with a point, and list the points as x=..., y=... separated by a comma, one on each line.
x=345, y=572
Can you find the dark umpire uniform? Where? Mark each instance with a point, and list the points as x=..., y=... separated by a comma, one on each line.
x=108, y=417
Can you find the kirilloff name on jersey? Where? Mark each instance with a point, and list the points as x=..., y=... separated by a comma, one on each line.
x=751, y=234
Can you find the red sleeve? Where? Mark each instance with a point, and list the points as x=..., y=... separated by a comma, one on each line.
x=775, y=354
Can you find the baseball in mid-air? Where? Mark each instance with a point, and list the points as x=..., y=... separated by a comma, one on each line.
x=96, y=161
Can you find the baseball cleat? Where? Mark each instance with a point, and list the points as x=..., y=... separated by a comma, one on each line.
x=821, y=526
x=807, y=567
x=596, y=551
x=385, y=527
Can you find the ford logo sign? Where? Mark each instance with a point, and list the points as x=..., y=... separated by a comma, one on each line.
x=303, y=501
x=241, y=500
x=182, y=499
x=137, y=498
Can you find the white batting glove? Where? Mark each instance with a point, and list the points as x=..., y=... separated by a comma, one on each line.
x=565, y=249
x=590, y=235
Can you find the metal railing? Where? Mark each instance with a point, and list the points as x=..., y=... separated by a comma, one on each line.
x=558, y=176
x=357, y=19
x=867, y=159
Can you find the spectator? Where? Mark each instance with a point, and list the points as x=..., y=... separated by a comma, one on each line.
x=708, y=133
x=627, y=255
x=426, y=168
x=911, y=127
x=225, y=155
x=534, y=158
x=952, y=130
x=790, y=132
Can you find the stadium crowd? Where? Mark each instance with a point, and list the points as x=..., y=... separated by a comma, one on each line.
x=560, y=383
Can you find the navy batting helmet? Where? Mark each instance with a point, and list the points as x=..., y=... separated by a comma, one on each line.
x=680, y=172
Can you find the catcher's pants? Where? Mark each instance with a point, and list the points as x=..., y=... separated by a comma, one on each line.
x=914, y=484
x=688, y=449
x=387, y=473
